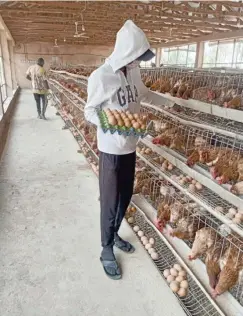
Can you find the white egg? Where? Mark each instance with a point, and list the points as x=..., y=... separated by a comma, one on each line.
x=177, y=267
x=151, y=250
x=174, y=272
x=198, y=186
x=232, y=211
x=136, y=228
x=145, y=242
x=239, y=215
x=182, y=273
x=154, y=256
x=219, y=209
x=174, y=286
x=151, y=241
x=166, y=273
x=229, y=215
x=140, y=233
x=148, y=246
x=182, y=292
x=170, y=278
x=236, y=220
x=184, y=284
x=192, y=188
x=130, y=220
x=144, y=238
x=179, y=278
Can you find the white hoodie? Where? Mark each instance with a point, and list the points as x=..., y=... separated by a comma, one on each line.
x=109, y=88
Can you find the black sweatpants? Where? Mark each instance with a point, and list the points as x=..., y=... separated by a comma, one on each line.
x=116, y=179
x=38, y=98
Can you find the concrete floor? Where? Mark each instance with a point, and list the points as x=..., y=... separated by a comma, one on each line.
x=49, y=232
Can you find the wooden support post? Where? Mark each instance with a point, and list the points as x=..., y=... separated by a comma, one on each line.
x=199, y=55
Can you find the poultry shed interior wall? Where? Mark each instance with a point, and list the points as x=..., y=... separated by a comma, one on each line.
x=26, y=55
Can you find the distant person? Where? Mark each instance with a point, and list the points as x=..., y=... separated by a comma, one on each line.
x=37, y=75
x=117, y=85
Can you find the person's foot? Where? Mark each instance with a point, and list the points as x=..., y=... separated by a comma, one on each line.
x=43, y=116
x=57, y=113
x=39, y=116
x=123, y=245
x=110, y=264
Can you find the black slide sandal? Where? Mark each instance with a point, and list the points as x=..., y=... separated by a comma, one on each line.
x=110, y=266
x=124, y=246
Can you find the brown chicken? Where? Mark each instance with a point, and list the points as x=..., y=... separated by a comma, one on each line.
x=156, y=85
x=165, y=87
x=236, y=103
x=163, y=213
x=188, y=93
x=177, y=143
x=176, y=212
x=193, y=158
x=212, y=261
x=181, y=90
x=186, y=228
x=230, y=273
x=174, y=90
x=204, y=239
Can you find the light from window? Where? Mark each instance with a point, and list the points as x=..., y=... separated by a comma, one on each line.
x=223, y=54
x=180, y=56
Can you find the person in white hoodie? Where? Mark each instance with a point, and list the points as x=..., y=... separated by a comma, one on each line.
x=117, y=85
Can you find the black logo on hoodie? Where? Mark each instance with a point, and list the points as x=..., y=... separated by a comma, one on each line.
x=126, y=98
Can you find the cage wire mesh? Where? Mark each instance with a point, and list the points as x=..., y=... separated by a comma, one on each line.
x=196, y=302
x=209, y=86
x=199, y=145
x=180, y=211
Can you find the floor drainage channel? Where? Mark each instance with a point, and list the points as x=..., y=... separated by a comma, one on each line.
x=196, y=303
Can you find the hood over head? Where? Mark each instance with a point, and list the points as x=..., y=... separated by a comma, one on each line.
x=131, y=43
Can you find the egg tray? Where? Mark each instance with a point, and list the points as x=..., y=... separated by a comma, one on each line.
x=106, y=127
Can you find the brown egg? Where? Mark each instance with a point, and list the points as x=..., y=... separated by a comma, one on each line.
x=139, y=121
x=136, y=125
x=133, y=121
x=112, y=121
x=127, y=112
x=136, y=116
x=130, y=116
x=143, y=126
x=127, y=123
x=120, y=123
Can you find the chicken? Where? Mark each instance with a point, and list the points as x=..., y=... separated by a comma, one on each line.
x=229, y=174
x=174, y=90
x=200, y=93
x=208, y=154
x=235, y=103
x=182, y=89
x=148, y=82
x=240, y=169
x=176, y=212
x=212, y=262
x=205, y=238
x=188, y=93
x=165, y=87
x=163, y=214
x=186, y=228
x=230, y=273
x=156, y=85
x=177, y=143
x=193, y=158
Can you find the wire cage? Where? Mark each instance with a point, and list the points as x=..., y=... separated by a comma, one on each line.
x=223, y=88
x=222, y=155
x=187, y=218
